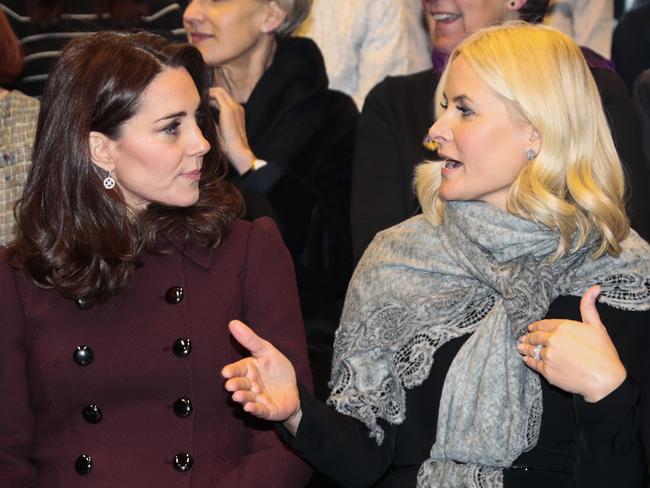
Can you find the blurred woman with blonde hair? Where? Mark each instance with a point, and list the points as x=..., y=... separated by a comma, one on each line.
x=452, y=366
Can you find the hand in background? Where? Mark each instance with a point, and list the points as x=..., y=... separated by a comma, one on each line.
x=264, y=383
x=578, y=357
x=232, y=130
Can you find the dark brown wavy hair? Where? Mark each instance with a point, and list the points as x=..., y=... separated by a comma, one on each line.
x=11, y=52
x=73, y=235
x=124, y=14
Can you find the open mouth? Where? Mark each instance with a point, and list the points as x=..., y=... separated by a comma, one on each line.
x=445, y=17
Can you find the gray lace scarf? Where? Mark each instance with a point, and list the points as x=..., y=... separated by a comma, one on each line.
x=484, y=272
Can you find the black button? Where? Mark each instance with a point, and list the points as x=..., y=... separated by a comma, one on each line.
x=83, y=303
x=83, y=355
x=83, y=464
x=183, y=462
x=182, y=347
x=183, y=407
x=92, y=414
x=174, y=295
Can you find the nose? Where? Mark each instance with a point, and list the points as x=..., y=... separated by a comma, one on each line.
x=198, y=145
x=440, y=131
x=192, y=14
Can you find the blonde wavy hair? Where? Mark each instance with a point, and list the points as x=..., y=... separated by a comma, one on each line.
x=575, y=184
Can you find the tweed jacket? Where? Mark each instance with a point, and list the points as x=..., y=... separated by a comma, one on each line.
x=18, y=117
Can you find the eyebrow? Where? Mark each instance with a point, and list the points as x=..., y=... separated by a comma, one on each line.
x=462, y=98
x=172, y=116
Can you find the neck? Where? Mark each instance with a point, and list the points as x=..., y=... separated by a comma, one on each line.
x=240, y=76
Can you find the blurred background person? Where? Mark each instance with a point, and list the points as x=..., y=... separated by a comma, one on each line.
x=44, y=27
x=18, y=117
x=129, y=261
x=288, y=138
x=589, y=22
x=396, y=117
x=363, y=41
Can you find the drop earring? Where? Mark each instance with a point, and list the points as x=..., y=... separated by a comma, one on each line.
x=109, y=181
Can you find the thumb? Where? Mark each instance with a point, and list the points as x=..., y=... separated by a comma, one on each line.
x=247, y=338
x=588, y=311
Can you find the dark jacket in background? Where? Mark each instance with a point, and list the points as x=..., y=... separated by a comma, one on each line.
x=631, y=44
x=397, y=115
x=306, y=133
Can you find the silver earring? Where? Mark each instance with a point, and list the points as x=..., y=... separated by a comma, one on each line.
x=530, y=154
x=109, y=181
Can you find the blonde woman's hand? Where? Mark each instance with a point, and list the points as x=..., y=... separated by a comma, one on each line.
x=578, y=357
x=232, y=130
x=264, y=383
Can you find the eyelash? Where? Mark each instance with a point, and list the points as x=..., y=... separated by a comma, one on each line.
x=172, y=128
x=465, y=112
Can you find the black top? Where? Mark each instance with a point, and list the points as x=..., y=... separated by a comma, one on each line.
x=43, y=44
x=580, y=444
x=631, y=44
x=395, y=118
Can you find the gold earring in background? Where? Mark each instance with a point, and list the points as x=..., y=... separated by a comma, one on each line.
x=430, y=144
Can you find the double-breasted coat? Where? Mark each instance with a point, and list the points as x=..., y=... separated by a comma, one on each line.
x=128, y=393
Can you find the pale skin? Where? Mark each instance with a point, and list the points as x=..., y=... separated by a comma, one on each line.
x=578, y=357
x=236, y=39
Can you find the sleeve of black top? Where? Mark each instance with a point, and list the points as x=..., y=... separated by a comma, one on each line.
x=613, y=431
x=377, y=186
x=338, y=445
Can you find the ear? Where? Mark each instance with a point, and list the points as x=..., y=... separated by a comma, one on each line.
x=515, y=5
x=274, y=17
x=535, y=140
x=101, y=150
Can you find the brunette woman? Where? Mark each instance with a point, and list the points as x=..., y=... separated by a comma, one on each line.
x=128, y=262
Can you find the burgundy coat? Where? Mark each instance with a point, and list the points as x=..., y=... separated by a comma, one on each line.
x=136, y=399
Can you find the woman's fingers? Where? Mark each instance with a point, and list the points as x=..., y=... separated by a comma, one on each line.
x=588, y=311
x=247, y=338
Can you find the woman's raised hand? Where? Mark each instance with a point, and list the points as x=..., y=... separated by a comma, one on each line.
x=232, y=130
x=578, y=357
x=264, y=383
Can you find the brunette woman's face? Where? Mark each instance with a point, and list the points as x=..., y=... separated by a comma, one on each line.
x=225, y=31
x=159, y=154
x=451, y=21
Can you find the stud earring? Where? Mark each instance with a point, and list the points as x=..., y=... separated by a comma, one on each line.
x=109, y=181
x=530, y=154
x=430, y=144
x=512, y=4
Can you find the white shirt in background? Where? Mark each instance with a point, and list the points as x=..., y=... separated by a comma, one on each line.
x=363, y=41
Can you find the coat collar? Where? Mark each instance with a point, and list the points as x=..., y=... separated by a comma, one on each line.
x=197, y=254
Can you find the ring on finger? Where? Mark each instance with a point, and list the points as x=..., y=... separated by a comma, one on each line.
x=537, y=352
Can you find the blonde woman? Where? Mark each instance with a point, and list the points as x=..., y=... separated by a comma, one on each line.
x=501, y=338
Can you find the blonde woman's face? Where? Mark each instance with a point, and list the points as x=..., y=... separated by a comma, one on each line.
x=482, y=147
x=451, y=21
x=225, y=31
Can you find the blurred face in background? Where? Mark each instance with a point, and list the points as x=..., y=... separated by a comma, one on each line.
x=451, y=21
x=226, y=32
